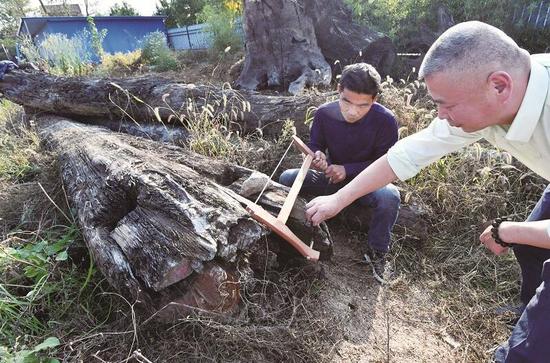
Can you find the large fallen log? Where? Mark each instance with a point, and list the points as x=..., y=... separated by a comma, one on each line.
x=154, y=99
x=158, y=222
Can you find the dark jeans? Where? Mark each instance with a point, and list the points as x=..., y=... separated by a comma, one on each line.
x=384, y=203
x=530, y=258
x=530, y=339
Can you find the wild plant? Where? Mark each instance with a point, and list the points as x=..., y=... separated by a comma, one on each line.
x=155, y=51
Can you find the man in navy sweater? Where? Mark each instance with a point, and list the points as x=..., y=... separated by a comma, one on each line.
x=347, y=136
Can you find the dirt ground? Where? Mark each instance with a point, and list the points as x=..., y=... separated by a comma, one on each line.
x=382, y=323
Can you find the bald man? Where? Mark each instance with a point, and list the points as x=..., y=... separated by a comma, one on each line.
x=485, y=86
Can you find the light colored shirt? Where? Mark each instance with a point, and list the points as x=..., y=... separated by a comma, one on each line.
x=527, y=138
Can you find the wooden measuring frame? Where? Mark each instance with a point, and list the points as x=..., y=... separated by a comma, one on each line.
x=278, y=224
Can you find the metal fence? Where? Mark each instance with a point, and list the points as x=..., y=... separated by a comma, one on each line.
x=190, y=37
x=196, y=36
x=535, y=15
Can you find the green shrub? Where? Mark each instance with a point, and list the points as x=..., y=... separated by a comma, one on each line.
x=9, y=45
x=221, y=23
x=402, y=19
x=155, y=51
x=534, y=40
x=96, y=36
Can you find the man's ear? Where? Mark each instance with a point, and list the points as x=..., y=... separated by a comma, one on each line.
x=339, y=88
x=501, y=82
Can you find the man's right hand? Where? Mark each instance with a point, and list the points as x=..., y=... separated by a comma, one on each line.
x=323, y=208
x=319, y=161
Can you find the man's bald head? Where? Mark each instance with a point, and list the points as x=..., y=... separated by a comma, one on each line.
x=473, y=47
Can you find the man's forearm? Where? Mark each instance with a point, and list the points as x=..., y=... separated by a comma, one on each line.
x=534, y=234
x=375, y=176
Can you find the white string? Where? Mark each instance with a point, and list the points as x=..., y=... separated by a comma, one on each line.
x=271, y=176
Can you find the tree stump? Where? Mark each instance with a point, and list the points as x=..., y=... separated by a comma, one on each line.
x=157, y=220
x=291, y=44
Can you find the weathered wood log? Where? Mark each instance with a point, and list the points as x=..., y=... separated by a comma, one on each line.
x=156, y=219
x=154, y=99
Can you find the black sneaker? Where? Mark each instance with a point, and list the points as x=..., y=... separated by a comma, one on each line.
x=381, y=268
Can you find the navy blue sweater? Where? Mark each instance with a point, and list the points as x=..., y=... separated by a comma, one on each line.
x=353, y=145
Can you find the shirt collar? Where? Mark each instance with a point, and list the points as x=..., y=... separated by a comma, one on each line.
x=528, y=115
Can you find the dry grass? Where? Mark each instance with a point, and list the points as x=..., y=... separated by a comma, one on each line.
x=463, y=282
x=462, y=192
x=274, y=324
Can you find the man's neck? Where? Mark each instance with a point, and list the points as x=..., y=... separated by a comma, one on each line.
x=516, y=101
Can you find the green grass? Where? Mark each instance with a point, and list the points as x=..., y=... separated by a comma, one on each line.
x=46, y=293
x=17, y=144
x=39, y=285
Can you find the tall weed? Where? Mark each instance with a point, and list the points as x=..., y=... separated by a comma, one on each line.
x=155, y=51
x=18, y=145
x=59, y=54
x=221, y=22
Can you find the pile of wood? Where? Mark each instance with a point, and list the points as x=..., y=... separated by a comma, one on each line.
x=160, y=221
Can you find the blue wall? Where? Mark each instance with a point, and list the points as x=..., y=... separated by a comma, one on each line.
x=124, y=33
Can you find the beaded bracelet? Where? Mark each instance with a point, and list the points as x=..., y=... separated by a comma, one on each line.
x=494, y=233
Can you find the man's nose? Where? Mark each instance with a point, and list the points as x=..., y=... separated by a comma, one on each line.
x=354, y=110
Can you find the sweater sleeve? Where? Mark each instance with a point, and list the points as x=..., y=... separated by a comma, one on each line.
x=317, y=139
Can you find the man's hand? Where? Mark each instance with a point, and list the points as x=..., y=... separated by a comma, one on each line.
x=319, y=161
x=487, y=239
x=5, y=67
x=322, y=208
x=335, y=173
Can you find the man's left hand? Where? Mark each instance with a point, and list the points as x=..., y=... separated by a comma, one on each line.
x=335, y=173
x=487, y=239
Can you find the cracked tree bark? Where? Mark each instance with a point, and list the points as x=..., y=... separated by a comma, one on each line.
x=291, y=44
x=153, y=100
x=156, y=219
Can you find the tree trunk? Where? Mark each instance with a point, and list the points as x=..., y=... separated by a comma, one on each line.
x=291, y=44
x=344, y=42
x=150, y=99
x=281, y=48
x=157, y=220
